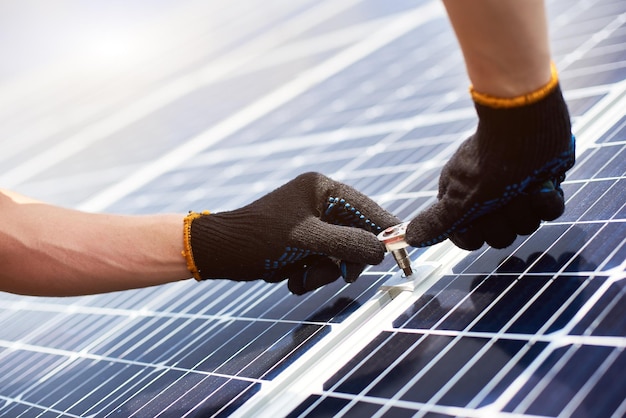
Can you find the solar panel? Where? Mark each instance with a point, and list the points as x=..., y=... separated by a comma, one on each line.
x=374, y=95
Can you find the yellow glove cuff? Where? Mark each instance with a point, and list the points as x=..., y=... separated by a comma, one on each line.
x=525, y=99
x=187, y=253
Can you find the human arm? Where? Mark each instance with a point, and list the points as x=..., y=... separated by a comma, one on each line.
x=54, y=251
x=504, y=179
x=505, y=44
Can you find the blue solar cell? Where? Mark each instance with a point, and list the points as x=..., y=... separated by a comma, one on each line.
x=580, y=106
x=575, y=367
x=610, y=204
x=361, y=370
x=87, y=379
x=598, y=250
x=612, y=168
x=606, y=317
x=187, y=393
x=22, y=409
x=425, y=182
x=561, y=293
x=20, y=369
x=525, y=356
x=483, y=371
x=463, y=312
x=511, y=303
x=596, y=78
x=328, y=407
x=406, y=208
x=581, y=196
x=113, y=383
x=560, y=254
x=523, y=305
x=609, y=387
x=616, y=133
x=150, y=340
x=427, y=363
x=333, y=303
x=533, y=316
x=420, y=350
x=363, y=11
x=273, y=349
x=590, y=162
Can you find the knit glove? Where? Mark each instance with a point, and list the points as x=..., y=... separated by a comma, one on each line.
x=504, y=179
x=309, y=231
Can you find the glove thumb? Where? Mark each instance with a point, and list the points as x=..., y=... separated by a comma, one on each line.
x=429, y=227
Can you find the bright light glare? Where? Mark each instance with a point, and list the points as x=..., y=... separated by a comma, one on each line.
x=111, y=49
x=116, y=52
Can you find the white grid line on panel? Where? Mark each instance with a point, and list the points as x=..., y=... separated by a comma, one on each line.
x=600, y=109
x=168, y=93
x=554, y=340
x=263, y=106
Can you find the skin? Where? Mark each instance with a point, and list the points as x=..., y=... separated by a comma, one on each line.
x=54, y=251
x=504, y=43
x=48, y=250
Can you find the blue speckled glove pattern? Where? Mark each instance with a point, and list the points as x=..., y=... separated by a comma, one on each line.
x=309, y=232
x=504, y=179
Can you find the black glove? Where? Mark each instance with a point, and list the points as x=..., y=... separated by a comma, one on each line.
x=310, y=231
x=503, y=180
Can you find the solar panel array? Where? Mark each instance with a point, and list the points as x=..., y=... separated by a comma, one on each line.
x=371, y=94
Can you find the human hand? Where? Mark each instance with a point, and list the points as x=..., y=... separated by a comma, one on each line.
x=503, y=180
x=309, y=231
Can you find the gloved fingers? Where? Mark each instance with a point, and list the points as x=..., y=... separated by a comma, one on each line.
x=521, y=216
x=496, y=229
x=294, y=268
x=350, y=271
x=358, y=210
x=469, y=238
x=309, y=274
x=316, y=271
x=431, y=226
x=493, y=228
x=340, y=242
x=548, y=201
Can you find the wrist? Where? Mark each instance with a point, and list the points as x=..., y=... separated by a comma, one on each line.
x=526, y=134
x=518, y=96
x=219, y=245
x=187, y=252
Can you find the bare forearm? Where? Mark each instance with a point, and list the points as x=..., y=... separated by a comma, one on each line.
x=504, y=43
x=48, y=250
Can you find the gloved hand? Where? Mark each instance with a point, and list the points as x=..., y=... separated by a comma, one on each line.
x=504, y=179
x=309, y=231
